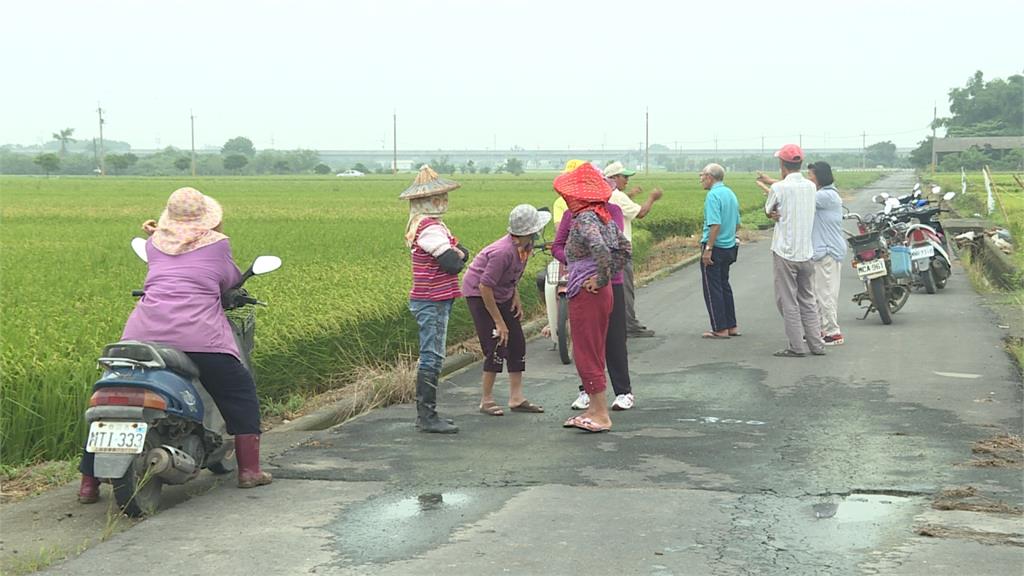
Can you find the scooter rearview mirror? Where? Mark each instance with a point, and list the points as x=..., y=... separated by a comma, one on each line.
x=917, y=187
x=264, y=264
x=139, y=247
x=948, y=196
x=936, y=190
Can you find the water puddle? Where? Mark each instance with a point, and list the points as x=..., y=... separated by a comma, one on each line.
x=861, y=508
x=400, y=527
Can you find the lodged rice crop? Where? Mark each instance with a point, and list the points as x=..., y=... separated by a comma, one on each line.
x=339, y=301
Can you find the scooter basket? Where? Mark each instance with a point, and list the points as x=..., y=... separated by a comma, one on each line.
x=243, y=324
x=554, y=272
x=900, y=262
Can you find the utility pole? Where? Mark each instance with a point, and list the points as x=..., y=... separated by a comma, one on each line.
x=935, y=119
x=95, y=153
x=762, y=152
x=647, y=137
x=394, y=142
x=801, y=144
x=103, y=162
x=863, y=150
x=192, y=119
x=716, y=146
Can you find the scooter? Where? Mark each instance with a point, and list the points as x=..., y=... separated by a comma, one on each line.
x=928, y=249
x=151, y=422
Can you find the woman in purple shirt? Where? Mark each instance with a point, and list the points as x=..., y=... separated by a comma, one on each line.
x=490, y=287
x=190, y=266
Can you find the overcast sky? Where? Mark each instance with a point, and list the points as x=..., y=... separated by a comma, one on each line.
x=475, y=74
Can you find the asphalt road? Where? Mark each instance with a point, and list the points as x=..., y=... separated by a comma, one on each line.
x=732, y=462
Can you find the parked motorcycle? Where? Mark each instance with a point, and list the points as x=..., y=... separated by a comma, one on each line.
x=929, y=250
x=151, y=422
x=882, y=263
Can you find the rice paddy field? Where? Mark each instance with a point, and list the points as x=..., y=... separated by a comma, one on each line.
x=339, y=301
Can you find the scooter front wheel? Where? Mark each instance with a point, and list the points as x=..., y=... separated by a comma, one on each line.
x=876, y=290
x=138, y=491
x=564, y=338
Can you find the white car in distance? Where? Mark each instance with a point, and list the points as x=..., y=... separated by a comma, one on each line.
x=350, y=173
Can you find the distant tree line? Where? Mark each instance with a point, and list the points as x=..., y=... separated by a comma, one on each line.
x=993, y=108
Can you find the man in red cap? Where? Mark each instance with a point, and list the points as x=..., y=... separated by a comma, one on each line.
x=791, y=205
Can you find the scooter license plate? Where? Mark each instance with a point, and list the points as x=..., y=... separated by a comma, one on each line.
x=921, y=252
x=116, y=437
x=871, y=269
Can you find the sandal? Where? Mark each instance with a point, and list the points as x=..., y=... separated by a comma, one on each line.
x=713, y=336
x=491, y=408
x=787, y=353
x=589, y=425
x=527, y=406
x=571, y=422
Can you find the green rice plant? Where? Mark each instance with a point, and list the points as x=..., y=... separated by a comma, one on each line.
x=338, y=303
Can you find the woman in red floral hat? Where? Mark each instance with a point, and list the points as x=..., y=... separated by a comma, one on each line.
x=596, y=250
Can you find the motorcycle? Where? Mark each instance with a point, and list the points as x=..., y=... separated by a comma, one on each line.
x=929, y=250
x=151, y=422
x=882, y=263
x=556, y=281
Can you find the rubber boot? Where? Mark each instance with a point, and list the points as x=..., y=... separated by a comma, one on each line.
x=427, y=419
x=89, y=489
x=247, y=453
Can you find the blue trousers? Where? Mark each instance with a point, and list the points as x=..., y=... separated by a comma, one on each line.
x=432, y=318
x=717, y=291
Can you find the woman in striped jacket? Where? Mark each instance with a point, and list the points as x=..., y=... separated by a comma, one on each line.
x=437, y=259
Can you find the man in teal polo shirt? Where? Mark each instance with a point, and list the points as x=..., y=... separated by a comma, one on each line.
x=718, y=251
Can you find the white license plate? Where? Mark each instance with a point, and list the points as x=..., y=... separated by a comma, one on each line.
x=871, y=268
x=922, y=252
x=116, y=437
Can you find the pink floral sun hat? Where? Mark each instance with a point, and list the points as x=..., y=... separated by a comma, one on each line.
x=188, y=222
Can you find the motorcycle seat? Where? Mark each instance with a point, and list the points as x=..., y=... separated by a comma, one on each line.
x=152, y=354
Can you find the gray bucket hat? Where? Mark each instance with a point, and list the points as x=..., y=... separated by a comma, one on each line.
x=526, y=220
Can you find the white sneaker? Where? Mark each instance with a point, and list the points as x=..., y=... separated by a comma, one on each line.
x=582, y=402
x=623, y=402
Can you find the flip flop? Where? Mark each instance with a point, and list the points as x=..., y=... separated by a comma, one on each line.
x=787, y=353
x=571, y=422
x=491, y=409
x=735, y=334
x=527, y=406
x=713, y=336
x=588, y=425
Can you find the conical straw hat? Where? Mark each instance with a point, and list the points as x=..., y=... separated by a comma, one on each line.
x=428, y=183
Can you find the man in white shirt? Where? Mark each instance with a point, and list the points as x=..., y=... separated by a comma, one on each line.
x=791, y=203
x=619, y=176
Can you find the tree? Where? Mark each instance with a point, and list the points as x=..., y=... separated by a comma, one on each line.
x=121, y=162
x=485, y=169
x=921, y=156
x=49, y=162
x=883, y=153
x=64, y=137
x=282, y=167
x=361, y=167
x=235, y=162
x=183, y=163
x=994, y=108
x=238, y=145
x=322, y=168
x=469, y=167
x=514, y=166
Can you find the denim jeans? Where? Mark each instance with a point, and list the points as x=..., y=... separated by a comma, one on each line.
x=432, y=318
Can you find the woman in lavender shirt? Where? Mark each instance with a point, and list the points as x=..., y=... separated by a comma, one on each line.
x=190, y=266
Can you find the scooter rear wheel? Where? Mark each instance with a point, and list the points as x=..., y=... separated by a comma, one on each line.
x=138, y=492
x=928, y=279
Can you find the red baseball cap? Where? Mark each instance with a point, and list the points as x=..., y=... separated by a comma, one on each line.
x=790, y=153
